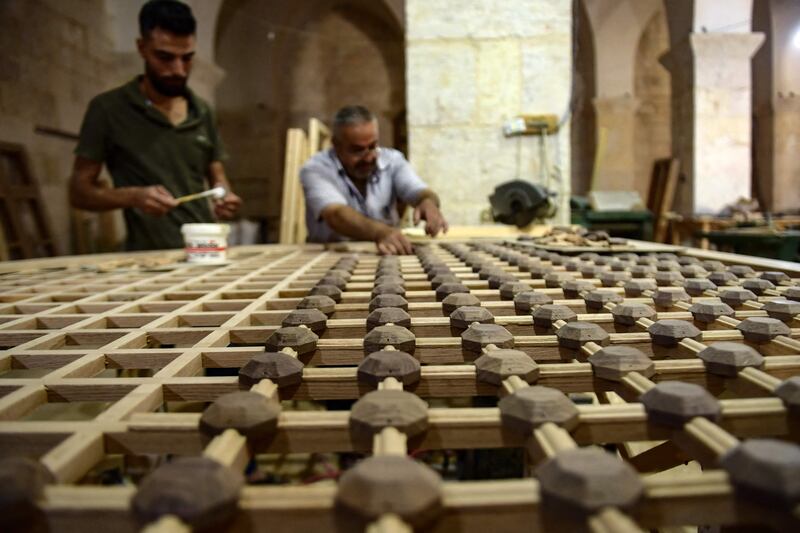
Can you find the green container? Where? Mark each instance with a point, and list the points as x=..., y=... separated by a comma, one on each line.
x=627, y=224
x=759, y=242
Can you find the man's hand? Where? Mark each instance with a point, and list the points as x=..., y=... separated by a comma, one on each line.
x=154, y=200
x=428, y=211
x=227, y=207
x=393, y=242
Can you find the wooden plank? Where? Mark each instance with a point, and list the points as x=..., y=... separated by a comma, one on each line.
x=74, y=457
x=296, y=154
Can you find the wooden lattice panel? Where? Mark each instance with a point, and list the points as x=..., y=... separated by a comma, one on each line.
x=610, y=371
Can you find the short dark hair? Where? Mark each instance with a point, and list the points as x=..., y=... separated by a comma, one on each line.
x=170, y=15
x=349, y=115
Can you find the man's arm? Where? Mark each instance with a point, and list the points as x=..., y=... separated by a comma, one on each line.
x=426, y=207
x=347, y=221
x=410, y=188
x=226, y=207
x=86, y=192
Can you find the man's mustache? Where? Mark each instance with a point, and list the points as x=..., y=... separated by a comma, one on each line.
x=174, y=79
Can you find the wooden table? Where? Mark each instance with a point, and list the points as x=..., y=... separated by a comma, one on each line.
x=689, y=228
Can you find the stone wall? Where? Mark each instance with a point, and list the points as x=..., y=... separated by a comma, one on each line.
x=471, y=68
x=285, y=65
x=56, y=55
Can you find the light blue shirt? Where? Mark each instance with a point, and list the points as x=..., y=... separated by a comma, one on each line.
x=325, y=183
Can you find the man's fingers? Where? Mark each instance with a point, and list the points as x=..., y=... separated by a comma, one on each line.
x=227, y=207
x=417, y=215
x=403, y=244
x=393, y=244
x=162, y=192
x=224, y=213
x=168, y=202
x=162, y=196
x=432, y=227
x=154, y=208
x=391, y=249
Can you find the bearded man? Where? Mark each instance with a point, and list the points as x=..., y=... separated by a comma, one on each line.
x=158, y=140
x=352, y=189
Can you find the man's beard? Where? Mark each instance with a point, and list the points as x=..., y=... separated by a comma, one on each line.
x=364, y=171
x=170, y=86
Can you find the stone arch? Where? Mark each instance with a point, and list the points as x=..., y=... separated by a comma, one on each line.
x=285, y=62
x=653, y=91
x=366, y=66
x=617, y=26
x=583, y=121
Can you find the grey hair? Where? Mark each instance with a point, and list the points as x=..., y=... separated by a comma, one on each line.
x=349, y=115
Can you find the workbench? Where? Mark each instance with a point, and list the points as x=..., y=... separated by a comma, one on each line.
x=646, y=390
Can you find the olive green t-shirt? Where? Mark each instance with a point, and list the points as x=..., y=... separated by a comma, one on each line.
x=140, y=147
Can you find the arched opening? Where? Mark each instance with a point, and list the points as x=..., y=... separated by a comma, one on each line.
x=288, y=62
x=349, y=57
x=653, y=137
x=583, y=126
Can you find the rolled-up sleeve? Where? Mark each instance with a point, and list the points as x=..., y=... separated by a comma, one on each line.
x=319, y=188
x=407, y=184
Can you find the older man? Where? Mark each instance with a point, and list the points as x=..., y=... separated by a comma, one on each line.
x=156, y=137
x=352, y=189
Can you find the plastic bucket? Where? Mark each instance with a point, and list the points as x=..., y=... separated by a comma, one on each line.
x=206, y=243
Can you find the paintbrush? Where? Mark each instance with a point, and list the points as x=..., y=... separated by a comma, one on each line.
x=216, y=193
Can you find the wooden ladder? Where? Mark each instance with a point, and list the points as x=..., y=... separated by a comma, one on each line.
x=26, y=230
x=661, y=195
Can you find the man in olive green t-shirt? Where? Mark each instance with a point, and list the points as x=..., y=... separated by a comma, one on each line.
x=157, y=139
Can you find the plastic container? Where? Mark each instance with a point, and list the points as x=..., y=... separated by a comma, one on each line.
x=206, y=243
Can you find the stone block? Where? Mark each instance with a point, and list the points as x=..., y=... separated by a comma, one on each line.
x=201, y=492
x=388, y=408
x=391, y=484
x=382, y=364
x=526, y=409
x=587, y=480
x=494, y=366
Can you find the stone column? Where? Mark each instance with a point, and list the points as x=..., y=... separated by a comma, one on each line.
x=712, y=117
x=786, y=163
x=616, y=163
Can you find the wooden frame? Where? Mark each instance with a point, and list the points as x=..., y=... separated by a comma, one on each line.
x=299, y=147
x=661, y=194
x=292, y=206
x=62, y=331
